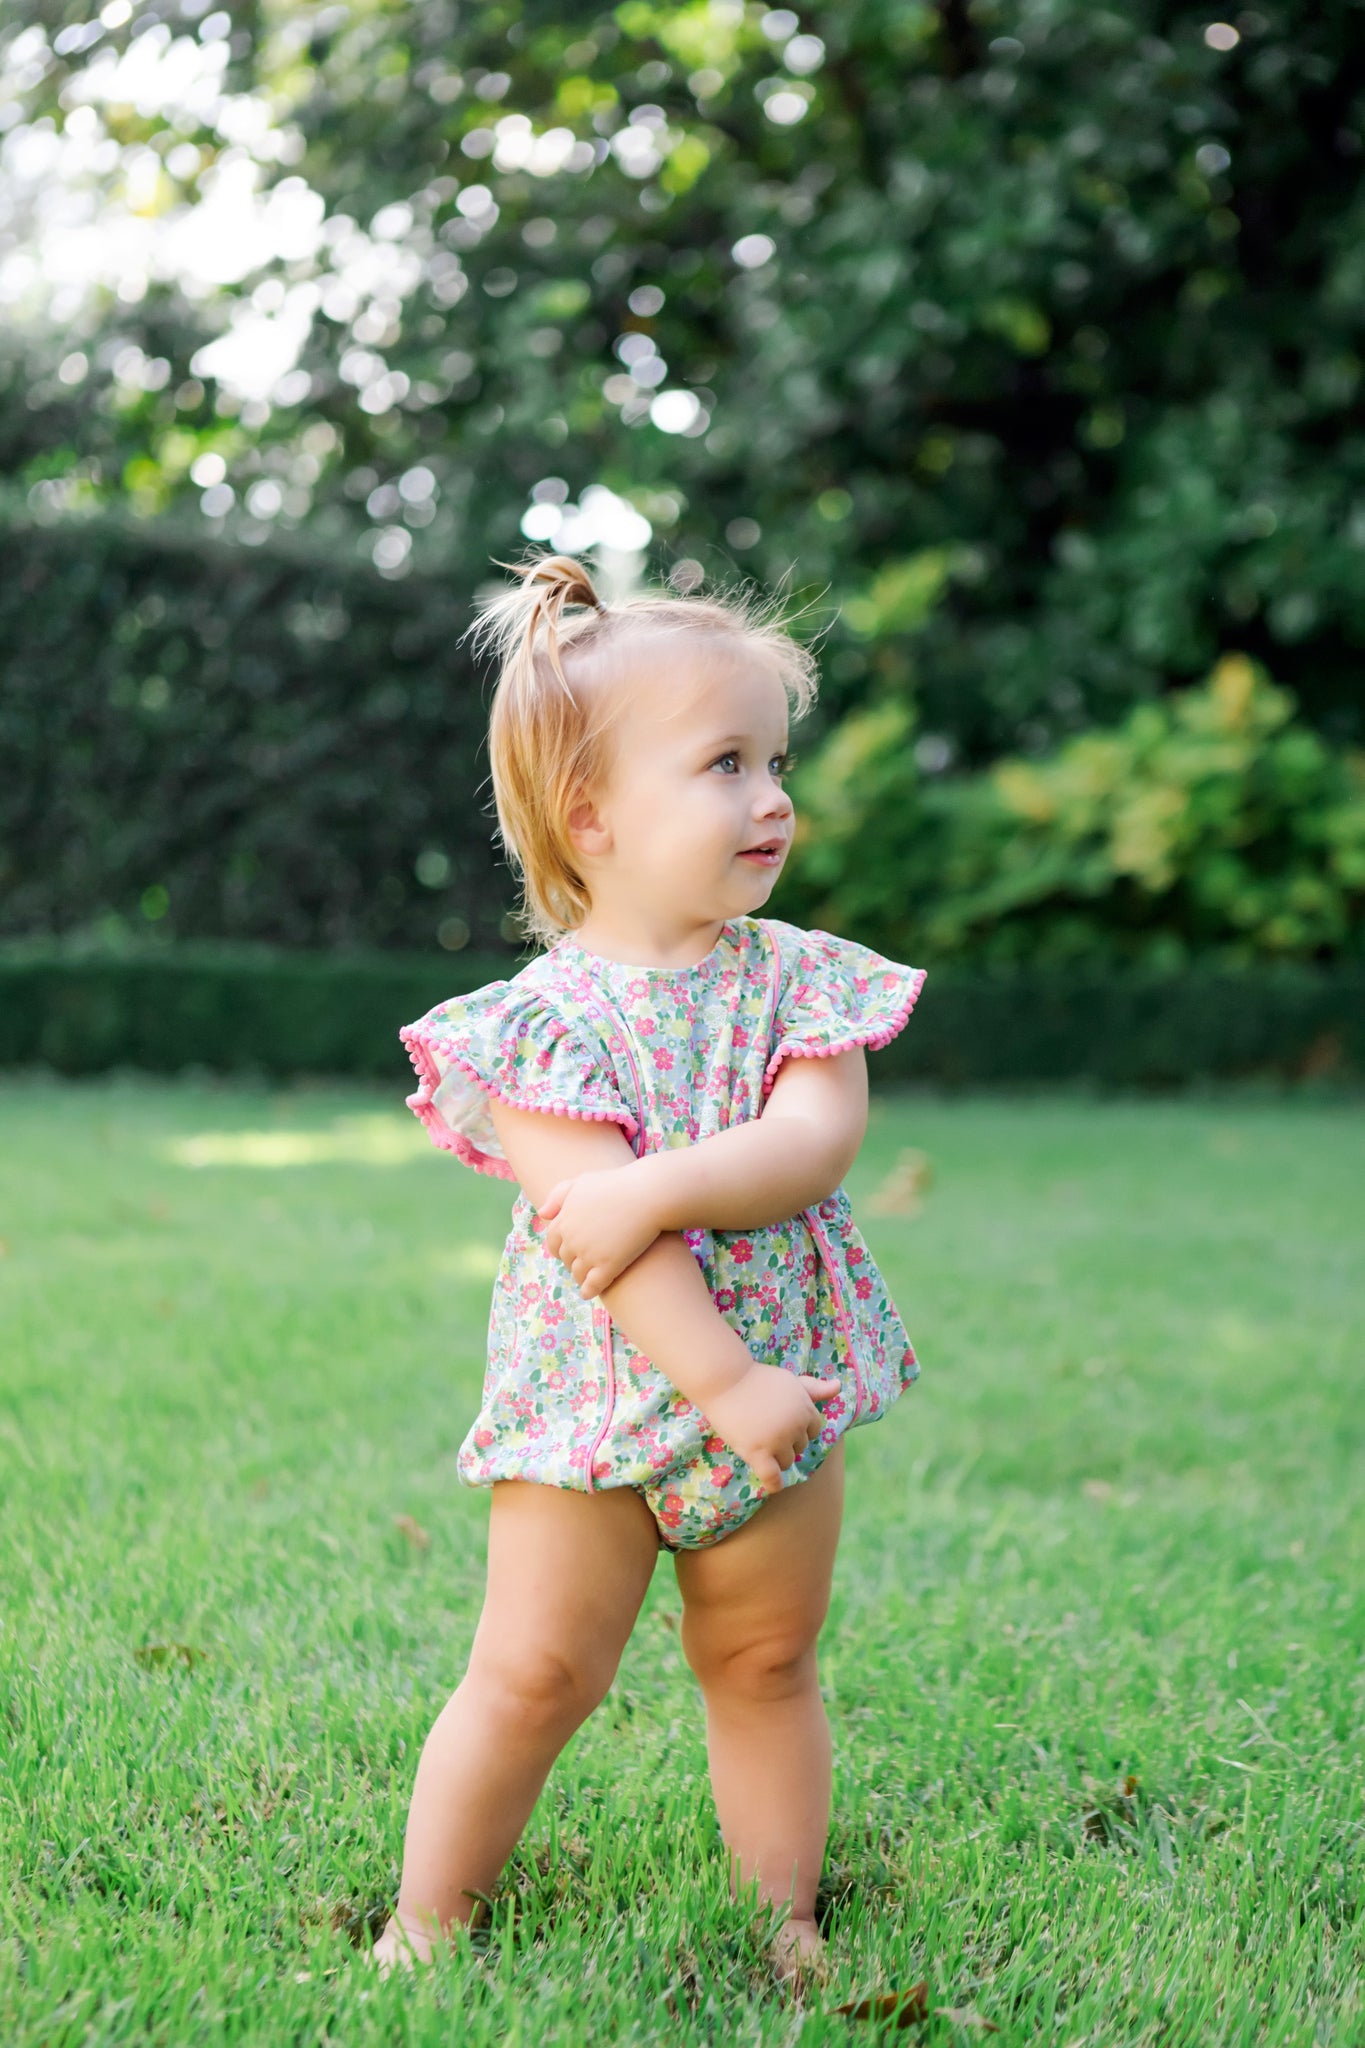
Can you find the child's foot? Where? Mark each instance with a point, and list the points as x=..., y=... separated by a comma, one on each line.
x=401, y=1948
x=799, y=1955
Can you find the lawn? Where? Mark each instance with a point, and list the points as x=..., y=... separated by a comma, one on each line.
x=1094, y=1665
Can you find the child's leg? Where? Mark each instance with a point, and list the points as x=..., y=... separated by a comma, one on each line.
x=753, y=1605
x=567, y=1572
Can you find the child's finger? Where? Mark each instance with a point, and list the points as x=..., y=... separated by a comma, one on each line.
x=551, y=1203
x=818, y=1389
x=768, y=1473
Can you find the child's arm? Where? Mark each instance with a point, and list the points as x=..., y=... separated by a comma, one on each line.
x=664, y=1305
x=790, y=1157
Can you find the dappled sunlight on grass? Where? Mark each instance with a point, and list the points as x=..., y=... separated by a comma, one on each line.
x=352, y=1140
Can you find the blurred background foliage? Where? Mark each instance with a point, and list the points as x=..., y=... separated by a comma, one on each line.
x=1021, y=343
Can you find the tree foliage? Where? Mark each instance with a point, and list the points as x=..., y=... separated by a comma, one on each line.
x=1029, y=333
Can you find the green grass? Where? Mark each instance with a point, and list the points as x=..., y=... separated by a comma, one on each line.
x=1111, y=1536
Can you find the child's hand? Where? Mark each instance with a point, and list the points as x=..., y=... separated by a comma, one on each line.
x=597, y=1225
x=769, y=1417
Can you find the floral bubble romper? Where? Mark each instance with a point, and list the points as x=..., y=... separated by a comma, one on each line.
x=672, y=1055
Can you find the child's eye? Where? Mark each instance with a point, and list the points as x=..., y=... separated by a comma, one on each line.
x=783, y=763
x=730, y=755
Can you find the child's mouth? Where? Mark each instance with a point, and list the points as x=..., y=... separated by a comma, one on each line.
x=767, y=856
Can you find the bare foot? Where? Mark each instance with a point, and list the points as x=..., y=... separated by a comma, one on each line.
x=799, y=1955
x=401, y=1947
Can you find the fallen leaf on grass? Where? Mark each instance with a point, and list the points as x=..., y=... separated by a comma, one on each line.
x=963, y=2016
x=906, y=2008
x=413, y=1530
x=163, y=1653
x=902, y=1191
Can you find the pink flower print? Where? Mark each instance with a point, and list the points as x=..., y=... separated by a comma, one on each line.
x=856, y=1255
x=739, y=1037
x=646, y=1027
x=742, y=1250
x=810, y=1304
x=721, y=1475
x=861, y=983
x=535, y=1425
x=554, y=1379
x=483, y=1438
x=833, y=1408
x=862, y=1286
x=724, y=1297
x=714, y=1443
x=662, y=1057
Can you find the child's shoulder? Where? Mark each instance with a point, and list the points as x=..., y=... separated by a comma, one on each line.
x=813, y=951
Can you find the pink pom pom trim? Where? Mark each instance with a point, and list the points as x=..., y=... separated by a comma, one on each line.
x=415, y=1038
x=871, y=1037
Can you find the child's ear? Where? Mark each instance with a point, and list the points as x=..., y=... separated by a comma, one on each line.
x=588, y=833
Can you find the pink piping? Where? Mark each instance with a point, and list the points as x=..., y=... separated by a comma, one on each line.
x=775, y=983
x=821, y=1236
x=449, y=1140
x=869, y=1038
x=602, y=1319
x=615, y=1025
x=601, y=1315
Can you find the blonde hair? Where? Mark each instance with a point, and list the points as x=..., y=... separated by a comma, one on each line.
x=557, y=697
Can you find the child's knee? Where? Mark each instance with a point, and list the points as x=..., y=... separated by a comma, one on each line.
x=768, y=1668
x=538, y=1686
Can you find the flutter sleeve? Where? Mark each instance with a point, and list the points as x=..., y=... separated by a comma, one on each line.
x=836, y=994
x=512, y=1043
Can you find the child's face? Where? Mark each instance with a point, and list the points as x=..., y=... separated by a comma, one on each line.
x=695, y=786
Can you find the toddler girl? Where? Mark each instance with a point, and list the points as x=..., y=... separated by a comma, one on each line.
x=686, y=1319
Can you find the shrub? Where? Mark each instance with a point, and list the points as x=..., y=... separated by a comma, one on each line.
x=1211, y=823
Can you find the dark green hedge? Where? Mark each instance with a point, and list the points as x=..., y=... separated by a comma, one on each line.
x=232, y=744
x=327, y=1014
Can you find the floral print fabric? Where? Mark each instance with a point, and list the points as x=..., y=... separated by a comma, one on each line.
x=672, y=1055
